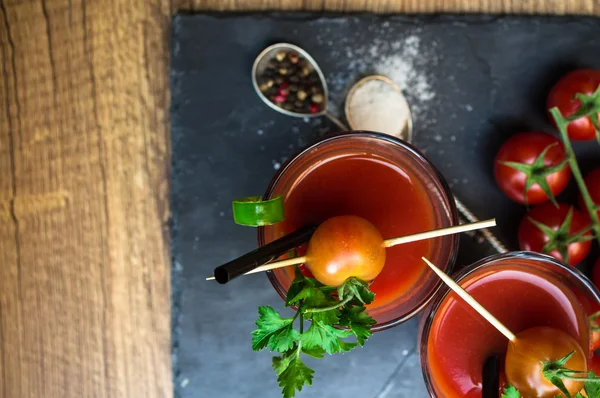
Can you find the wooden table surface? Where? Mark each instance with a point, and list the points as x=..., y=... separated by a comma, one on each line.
x=84, y=186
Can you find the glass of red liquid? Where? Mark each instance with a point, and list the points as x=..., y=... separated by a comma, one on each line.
x=389, y=183
x=522, y=290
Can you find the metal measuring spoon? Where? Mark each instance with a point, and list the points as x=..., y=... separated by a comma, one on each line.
x=366, y=112
x=268, y=54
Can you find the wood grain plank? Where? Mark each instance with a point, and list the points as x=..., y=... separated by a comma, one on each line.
x=84, y=275
x=560, y=7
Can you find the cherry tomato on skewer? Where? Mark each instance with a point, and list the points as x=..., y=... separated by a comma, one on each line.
x=343, y=247
x=524, y=358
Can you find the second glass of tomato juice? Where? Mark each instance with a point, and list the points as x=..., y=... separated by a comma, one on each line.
x=387, y=182
x=521, y=289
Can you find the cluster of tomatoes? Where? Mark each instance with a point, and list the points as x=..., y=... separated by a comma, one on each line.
x=531, y=157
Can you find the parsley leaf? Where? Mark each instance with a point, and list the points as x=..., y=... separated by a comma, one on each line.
x=356, y=288
x=592, y=388
x=359, y=322
x=315, y=352
x=274, y=331
x=327, y=337
x=511, y=392
x=281, y=363
x=328, y=308
x=294, y=377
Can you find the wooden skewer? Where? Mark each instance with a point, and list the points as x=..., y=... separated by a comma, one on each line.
x=472, y=302
x=276, y=264
x=387, y=243
x=440, y=232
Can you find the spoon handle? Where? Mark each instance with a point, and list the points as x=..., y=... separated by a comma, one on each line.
x=336, y=121
x=492, y=240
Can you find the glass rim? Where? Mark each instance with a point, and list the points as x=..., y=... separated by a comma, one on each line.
x=468, y=270
x=435, y=174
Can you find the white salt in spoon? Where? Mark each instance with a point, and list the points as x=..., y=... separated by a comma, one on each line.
x=376, y=103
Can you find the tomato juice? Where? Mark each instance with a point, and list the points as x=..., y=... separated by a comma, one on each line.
x=373, y=178
x=522, y=290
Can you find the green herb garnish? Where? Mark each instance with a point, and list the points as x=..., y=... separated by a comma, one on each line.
x=510, y=392
x=335, y=315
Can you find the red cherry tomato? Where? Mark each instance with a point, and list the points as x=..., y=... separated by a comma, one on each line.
x=532, y=238
x=523, y=365
x=345, y=246
x=592, y=182
x=585, y=81
x=525, y=148
x=594, y=364
x=596, y=273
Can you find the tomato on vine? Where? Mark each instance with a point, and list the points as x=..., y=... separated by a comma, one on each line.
x=564, y=96
x=592, y=182
x=562, y=232
x=530, y=168
x=596, y=273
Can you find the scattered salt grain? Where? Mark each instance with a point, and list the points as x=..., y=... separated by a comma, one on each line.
x=452, y=138
x=222, y=214
x=184, y=382
x=469, y=108
x=260, y=132
x=276, y=165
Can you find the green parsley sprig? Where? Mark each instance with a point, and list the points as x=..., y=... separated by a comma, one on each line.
x=335, y=314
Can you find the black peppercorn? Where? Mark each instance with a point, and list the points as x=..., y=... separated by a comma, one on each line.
x=290, y=82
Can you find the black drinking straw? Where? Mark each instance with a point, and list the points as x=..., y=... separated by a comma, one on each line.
x=491, y=377
x=269, y=252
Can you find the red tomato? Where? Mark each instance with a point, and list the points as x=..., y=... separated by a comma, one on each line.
x=596, y=273
x=594, y=365
x=592, y=182
x=525, y=148
x=532, y=238
x=585, y=81
x=595, y=342
x=523, y=365
x=345, y=246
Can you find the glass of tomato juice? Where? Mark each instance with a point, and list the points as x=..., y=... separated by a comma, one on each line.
x=522, y=290
x=389, y=183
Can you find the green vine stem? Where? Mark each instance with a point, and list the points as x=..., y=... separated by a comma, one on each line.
x=562, y=123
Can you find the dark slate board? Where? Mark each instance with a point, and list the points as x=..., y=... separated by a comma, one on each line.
x=489, y=75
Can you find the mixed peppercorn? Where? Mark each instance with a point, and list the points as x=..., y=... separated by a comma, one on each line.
x=290, y=82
